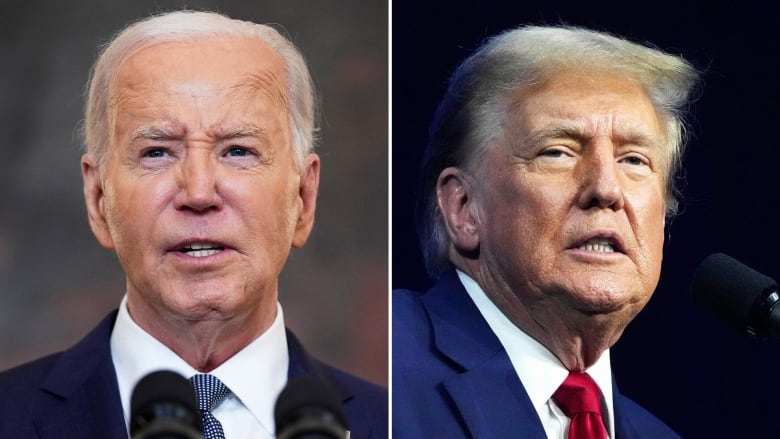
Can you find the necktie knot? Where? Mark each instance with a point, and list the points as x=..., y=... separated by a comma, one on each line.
x=580, y=399
x=209, y=391
x=578, y=393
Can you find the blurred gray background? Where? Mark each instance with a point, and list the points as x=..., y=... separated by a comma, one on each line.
x=56, y=282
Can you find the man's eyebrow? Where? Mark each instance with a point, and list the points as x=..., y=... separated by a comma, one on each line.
x=563, y=131
x=154, y=133
x=239, y=132
x=641, y=139
x=630, y=136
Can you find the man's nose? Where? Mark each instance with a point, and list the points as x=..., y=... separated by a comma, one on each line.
x=601, y=184
x=198, y=182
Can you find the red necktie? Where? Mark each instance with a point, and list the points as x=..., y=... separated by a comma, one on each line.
x=580, y=399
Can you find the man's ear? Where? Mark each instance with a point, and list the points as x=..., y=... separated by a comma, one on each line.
x=307, y=198
x=455, y=192
x=94, y=197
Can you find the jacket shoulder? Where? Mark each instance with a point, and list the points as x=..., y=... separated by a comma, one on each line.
x=365, y=404
x=69, y=394
x=19, y=386
x=25, y=376
x=367, y=408
x=370, y=397
x=409, y=316
x=640, y=422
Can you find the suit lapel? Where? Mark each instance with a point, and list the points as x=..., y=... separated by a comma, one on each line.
x=493, y=403
x=487, y=392
x=303, y=365
x=80, y=396
x=624, y=429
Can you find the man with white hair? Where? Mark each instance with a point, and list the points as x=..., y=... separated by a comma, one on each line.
x=200, y=174
x=545, y=188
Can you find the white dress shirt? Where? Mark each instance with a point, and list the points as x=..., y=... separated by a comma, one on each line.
x=538, y=369
x=255, y=375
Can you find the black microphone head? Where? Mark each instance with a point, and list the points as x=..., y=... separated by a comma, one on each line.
x=163, y=406
x=308, y=408
x=731, y=290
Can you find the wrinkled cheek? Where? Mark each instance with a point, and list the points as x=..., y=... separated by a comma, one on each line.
x=113, y=215
x=654, y=254
x=121, y=224
x=127, y=224
x=650, y=217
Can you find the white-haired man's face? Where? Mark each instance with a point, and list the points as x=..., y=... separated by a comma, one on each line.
x=200, y=194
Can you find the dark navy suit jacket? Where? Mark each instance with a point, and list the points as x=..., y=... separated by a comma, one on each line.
x=453, y=379
x=74, y=394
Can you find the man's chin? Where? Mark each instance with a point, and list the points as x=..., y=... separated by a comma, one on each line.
x=607, y=299
x=194, y=302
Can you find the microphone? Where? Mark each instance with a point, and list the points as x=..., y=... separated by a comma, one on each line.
x=163, y=406
x=745, y=299
x=308, y=408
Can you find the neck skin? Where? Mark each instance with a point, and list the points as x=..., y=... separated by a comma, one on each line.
x=577, y=339
x=209, y=337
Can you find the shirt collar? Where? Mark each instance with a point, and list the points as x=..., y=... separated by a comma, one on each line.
x=256, y=374
x=538, y=369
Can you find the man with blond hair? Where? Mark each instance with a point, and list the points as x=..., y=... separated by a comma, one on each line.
x=200, y=174
x=545, y=188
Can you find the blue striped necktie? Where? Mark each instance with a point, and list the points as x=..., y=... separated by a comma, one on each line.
x=209, y=392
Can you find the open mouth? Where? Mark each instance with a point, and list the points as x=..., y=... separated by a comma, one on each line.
x=201, y=249
x=600, y=244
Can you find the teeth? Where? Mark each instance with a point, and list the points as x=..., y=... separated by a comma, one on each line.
x=200, y=249
x=200, y=246
x=203, y=253
x=601, y=246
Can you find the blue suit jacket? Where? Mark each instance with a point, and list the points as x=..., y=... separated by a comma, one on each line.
x=74, y=394
x=453, y=379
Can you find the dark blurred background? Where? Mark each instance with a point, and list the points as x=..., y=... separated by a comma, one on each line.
x=56, y=282
x=677, y=361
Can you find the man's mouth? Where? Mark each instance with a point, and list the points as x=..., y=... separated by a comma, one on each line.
x=600, y=245
x=201, y=249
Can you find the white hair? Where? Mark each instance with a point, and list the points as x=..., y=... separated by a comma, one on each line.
x=475, y=107
x=189, y=26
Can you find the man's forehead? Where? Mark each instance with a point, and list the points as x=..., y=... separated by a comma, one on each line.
x=203, y=66
x=580, y=102
x=237, y=80
x=245, y=87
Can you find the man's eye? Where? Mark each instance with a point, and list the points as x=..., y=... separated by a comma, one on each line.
x=553, y=152
x=237, y=151
x=634, y=160
x=155, y=153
